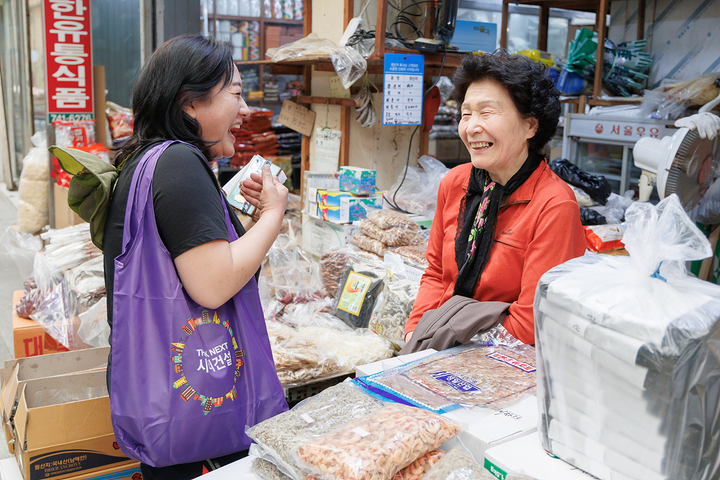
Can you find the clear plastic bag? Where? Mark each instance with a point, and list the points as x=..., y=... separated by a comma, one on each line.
x=369, y=244
x=299, y=357
x=377, y=445
x=266, y=470
x=670, y=101
x=295, y=276
x=417, y=193
x=348, y=63
x=614, y=209
x=628, y=347
x=323, y=413
x=389, y=318
x=469, y=375
x=457, y=465
x=94, y=329
x=708, y=211
x=389, y=219
x=417, y=469
x=86, y=285
x=393, y=236
x=415, y=253
x=21, y=249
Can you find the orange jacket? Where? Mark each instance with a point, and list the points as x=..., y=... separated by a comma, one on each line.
x=538, y=228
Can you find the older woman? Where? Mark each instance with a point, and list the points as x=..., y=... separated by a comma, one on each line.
x=505, y=218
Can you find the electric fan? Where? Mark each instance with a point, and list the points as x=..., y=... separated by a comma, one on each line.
x=683, y=163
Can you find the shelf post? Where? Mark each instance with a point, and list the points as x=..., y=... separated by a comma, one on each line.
x=504, y=24
x=543, y=27
x=380, y=27
x=600, y=54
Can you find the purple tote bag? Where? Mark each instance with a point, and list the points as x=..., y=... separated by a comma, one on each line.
x=185, y=380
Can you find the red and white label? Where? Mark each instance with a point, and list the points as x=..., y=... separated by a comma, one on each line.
x=68, y=57
x=525, y=367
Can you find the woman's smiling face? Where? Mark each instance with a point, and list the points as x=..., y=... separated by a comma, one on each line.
x=493, y=130
x=224, y=109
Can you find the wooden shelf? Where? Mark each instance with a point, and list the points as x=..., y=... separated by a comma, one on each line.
x=345, y=102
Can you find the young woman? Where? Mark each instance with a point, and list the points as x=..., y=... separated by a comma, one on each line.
x=185, y=100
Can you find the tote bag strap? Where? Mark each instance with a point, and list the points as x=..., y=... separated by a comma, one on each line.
x=141, y=190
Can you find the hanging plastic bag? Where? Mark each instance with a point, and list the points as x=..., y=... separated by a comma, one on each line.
x=417, y=193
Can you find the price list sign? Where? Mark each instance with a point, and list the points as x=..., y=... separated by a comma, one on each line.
x=403, y=89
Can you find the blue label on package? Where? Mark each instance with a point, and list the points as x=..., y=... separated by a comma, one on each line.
x=455, y=380
x=403, y=89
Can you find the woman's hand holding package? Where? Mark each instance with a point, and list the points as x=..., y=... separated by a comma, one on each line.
x=265, y=192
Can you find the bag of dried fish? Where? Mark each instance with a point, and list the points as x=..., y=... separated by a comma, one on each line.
x=266, y=470
x=369, y=244
x=470, y=375
x=359, y=289
x=388, y=219
x=389, y=318
x=457, y=465
x=376, y=446
x=393, y=236
x=323, y=413
x=414, y=253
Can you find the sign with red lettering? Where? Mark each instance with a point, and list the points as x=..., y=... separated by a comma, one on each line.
x=68, y=60
x=617, y=129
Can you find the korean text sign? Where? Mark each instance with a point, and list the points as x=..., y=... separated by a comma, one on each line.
x=68, y=57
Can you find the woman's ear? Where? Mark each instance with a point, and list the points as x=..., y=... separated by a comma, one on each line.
x=532, y=125
x=190, y=110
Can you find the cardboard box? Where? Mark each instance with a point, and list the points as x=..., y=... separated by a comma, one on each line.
x=314, y=181
x=484, y=428
x=61, y=439
x=9, y=470
x=29, y=337
x=319, y=236
x=526, y=456
x=64, y=217
x=357, y=180
x=16, y=373
x=350, y=209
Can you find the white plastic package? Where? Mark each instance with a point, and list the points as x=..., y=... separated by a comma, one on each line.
x=417, y=193
x=33, y=187
x=627, y=354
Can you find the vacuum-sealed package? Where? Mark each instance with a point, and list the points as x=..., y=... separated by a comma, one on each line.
x=357, y=293
x=376, y=446
x=389, y=318
x=457, y=465
x=393, y=236
x=280, y=436
x=628, y=358
x=466, y=376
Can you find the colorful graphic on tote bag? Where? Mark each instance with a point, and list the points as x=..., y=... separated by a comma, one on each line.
x=208, y=360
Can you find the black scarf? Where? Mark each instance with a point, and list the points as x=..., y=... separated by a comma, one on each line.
x=469, y=272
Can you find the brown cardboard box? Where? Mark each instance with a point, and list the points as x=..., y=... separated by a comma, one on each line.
x=29, y=337
x=17, y=372
x=60, y=438
x=64, y=217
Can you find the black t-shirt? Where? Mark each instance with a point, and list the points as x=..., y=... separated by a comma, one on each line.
x=187, y=202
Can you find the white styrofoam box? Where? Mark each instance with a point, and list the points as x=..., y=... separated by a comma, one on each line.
x=239, y=470
x=382, y=365
x=526, y=456
x=483, y=428
x=320, y=236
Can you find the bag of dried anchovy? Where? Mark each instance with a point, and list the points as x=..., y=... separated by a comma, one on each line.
x=389, y=318
x=278, y=437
